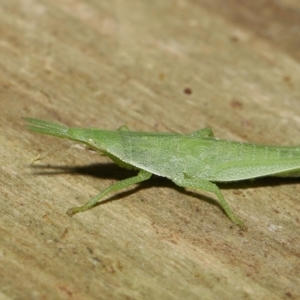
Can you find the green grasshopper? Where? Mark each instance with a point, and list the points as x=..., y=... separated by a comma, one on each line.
x=194, y=161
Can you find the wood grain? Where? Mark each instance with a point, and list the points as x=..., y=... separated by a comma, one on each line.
x=154, y=66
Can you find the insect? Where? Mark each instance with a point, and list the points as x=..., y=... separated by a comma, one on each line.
x=197, y=160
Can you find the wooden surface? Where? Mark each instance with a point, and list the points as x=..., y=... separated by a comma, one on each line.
x=108, y=63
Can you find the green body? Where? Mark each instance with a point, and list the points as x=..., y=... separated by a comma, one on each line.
x=177, y=156
x=195, y=160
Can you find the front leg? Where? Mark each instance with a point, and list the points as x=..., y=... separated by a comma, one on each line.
x=203, y=133
x=210, y=187
x=123, y=128
x=142, y=175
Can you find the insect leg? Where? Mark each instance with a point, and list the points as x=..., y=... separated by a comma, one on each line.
x=123, y=128
x=142, y=175
x=210, y=187
x=204, y=132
